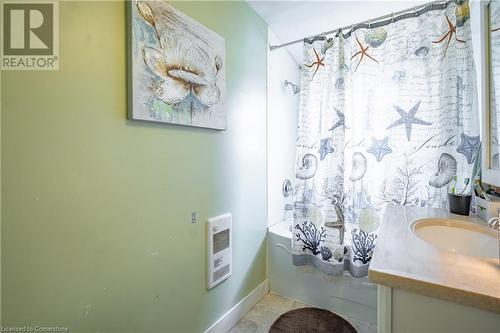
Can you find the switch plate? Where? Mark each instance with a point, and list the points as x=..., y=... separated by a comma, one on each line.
x=194, y=217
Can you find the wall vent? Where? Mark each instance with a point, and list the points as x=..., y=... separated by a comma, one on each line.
x=219, y=240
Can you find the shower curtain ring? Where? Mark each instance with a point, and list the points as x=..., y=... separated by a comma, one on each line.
x=415, y=10
x=392, y=17
x=369, y=23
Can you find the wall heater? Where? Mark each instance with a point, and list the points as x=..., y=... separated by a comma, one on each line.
x=219, y=240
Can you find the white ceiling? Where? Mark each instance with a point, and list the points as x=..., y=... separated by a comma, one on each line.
x=291, y=20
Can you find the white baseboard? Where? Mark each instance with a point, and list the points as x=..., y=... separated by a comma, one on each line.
x=230, y=318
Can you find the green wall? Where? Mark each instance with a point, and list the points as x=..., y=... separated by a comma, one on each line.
x=96, y=209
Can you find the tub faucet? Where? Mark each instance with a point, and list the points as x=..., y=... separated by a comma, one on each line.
x=339, y=223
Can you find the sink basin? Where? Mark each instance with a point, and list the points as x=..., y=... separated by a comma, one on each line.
x=458, y=236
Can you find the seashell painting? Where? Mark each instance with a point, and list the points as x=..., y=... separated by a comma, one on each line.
x=359, y=166
x=375, y=37
x=177, y=72
x=447, y=169
x=308, y=168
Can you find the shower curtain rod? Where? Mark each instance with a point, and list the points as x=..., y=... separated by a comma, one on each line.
x=376, y=22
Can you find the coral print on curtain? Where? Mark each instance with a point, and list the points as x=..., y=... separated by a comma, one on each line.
x=388, y=115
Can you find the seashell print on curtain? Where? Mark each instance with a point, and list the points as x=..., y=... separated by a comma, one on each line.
x=388, y=116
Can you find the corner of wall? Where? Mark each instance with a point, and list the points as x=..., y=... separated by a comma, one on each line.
x=283, y=107
x=1, y=41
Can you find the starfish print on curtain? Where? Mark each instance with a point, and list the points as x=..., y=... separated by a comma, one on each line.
x=340, y=122
x=325, y=148
x=452, y=30
x=469, y=147
x=319, y=62
x=408, y=119
x=379, y=148
x=363, y=52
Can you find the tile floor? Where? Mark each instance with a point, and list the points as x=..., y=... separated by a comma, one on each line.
x=260, y=318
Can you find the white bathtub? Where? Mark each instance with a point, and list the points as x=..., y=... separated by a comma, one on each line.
x=353, y=298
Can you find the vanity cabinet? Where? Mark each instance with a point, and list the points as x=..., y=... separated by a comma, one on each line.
x=427, y=288
x=403, y=311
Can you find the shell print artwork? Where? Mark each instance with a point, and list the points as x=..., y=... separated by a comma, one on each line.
x=308, y=168
x=147, y=13
x=447, y=169
x=359, y=166
x=375, y=37
x=178, y=68
x=178, y=81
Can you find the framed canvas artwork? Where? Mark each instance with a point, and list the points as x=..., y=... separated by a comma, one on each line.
x=176, y=68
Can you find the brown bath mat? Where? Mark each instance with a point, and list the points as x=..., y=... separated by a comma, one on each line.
x=311, y=320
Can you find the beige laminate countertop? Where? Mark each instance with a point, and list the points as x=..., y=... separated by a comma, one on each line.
x=403, y=260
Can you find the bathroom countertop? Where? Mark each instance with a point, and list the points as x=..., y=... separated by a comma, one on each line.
x=404, y=261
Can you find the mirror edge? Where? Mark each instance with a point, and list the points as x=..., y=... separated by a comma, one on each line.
x=489, y=176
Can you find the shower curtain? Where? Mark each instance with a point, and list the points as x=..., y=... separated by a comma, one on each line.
x=388, y=115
